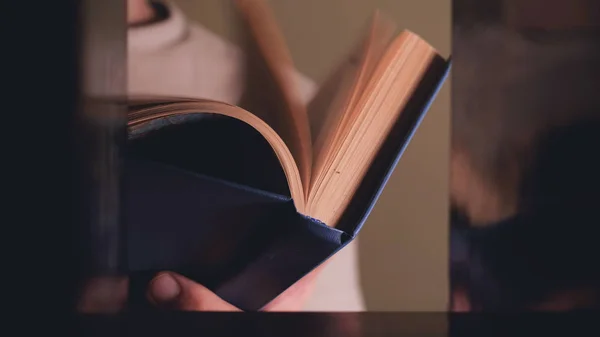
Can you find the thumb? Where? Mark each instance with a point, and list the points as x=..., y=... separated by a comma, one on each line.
x=173, y=291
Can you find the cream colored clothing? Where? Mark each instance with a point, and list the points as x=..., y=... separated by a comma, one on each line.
x=179, y=58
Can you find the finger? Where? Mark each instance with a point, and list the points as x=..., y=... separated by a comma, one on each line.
x=104, y=295
x=173, y=291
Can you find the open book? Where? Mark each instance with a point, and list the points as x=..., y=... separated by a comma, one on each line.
x=248, y=199
x=325, y=148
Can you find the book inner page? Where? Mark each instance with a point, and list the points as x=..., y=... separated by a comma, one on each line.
x=334, y=104
x=272, y=91
x=170, y=110
x=374, y=110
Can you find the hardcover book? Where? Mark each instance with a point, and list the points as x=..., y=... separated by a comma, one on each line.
x=248, y=199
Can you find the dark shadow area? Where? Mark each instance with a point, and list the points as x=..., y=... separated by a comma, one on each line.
x=218, y=147
x=269, y=324
x=565, y=172
x=526, y=104
x=470, y=13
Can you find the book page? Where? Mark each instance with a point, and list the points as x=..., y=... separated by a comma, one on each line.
x=334, y=105
x=327, y=106
x=374, y=110
x=272, y=90
x=145, y=110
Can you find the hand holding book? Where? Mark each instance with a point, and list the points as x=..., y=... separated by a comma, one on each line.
x=336, y=153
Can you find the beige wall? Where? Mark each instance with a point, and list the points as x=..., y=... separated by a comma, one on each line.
x=404, y=245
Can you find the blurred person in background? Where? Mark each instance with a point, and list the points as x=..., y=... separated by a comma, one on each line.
x=525, y=174
x=169, y=55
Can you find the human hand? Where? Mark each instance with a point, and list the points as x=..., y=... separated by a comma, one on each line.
x=169, y=290
x=172, y=291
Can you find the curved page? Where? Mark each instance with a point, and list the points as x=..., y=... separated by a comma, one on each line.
x=144, y=110
x=266, y=49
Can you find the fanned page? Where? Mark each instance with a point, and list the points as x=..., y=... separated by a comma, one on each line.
x=388, y=76
x=271, y=104
x=271, y=83
x=334, y=105
x=143, y=110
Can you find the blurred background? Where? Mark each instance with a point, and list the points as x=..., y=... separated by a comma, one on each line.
x=403, y=248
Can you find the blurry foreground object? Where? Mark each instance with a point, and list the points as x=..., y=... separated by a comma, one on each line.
x=553, y=15
x=100, y=135
x=524, y=173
